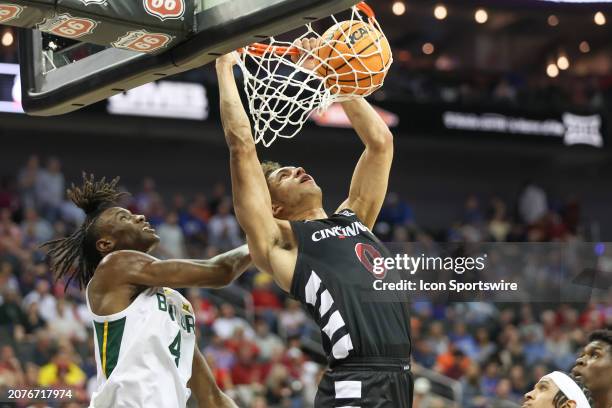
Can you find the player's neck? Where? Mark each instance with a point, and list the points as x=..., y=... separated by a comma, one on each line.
x=311, y=214
x=603, y=400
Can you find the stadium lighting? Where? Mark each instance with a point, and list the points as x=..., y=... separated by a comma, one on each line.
x=7, y=39
x=428, y=48
x=481, y=16
x=552, y=70
x=563, y=62
x=440, y=12
x=599, y=18
x=553, y=20
x=584, y=47
x=398, y=8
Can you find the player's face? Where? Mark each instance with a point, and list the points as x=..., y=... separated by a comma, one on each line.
x=120, y=229
x=292, y=190
x=594, y=366
x=542, y=395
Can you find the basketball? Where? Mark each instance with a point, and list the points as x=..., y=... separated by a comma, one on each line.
x=355, y=56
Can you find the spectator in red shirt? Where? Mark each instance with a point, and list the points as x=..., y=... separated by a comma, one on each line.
x=205, y=312
x=246, y=371
x=238, y=342
x=453, y=363
x=264, y=296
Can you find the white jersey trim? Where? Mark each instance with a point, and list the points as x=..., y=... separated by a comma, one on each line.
x=115, y=316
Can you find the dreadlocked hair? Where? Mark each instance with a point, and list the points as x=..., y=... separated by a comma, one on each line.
x=76, y=256
x=561, y=399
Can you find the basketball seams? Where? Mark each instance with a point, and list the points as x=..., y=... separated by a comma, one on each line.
x=338, y=30
x=335, y=49
x=359, y=53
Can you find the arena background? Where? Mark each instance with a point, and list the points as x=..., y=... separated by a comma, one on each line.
x=522, y=183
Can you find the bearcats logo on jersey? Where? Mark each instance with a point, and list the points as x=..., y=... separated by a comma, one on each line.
x=366, y=254
x=9, y=12
x=165, y=9
x=142, y=41
x=64, y=25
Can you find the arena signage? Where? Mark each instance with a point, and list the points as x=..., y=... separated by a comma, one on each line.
x=65, y=25
x=165, y=9
x=167, y=99
x=9, y=12
x=142, y=41
x=572, y=129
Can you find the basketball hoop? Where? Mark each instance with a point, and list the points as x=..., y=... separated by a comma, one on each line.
x=285, y=82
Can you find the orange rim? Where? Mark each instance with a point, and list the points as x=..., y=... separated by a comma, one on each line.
x=259, y=49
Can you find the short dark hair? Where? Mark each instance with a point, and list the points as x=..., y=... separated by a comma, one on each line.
x=602, y=335
x=560, y=398
x=269, y=167
x=93, y=197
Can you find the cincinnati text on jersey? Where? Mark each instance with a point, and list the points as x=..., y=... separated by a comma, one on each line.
x=352, y=230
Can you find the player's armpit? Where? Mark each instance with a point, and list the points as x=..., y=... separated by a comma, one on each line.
x=278, y=259
x=203, y=386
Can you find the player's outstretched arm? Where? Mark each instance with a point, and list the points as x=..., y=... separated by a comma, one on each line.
x=252, y=201
x=371, y=175
x=137, y=268
x=202, y=384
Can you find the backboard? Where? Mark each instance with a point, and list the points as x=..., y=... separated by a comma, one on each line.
x=61, y=75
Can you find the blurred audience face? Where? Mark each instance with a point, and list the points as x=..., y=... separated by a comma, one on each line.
x=33, y=162
x=503, y=389
x=148, y=184
x=42, y=287
x=261, y=328
x=172, y=218
x=227, y=311
x=259, y=402
x=225, y=207
x=54, y=165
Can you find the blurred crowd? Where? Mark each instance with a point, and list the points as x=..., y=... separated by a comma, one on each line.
x=504, y=90
x=258, y=342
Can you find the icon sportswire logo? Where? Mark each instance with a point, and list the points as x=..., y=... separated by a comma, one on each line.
x=352, y=230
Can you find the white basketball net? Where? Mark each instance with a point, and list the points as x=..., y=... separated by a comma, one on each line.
x=282, y=94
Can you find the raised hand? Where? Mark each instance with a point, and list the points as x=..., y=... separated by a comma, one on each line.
x=309, y=47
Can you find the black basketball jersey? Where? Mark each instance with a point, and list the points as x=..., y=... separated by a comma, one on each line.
x=334, y=278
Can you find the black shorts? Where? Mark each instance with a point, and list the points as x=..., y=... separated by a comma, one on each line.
x=366, y=383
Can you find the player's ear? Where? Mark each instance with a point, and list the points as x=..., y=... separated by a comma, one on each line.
x=569, y=404
x=277, y=210
x=105, y=245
